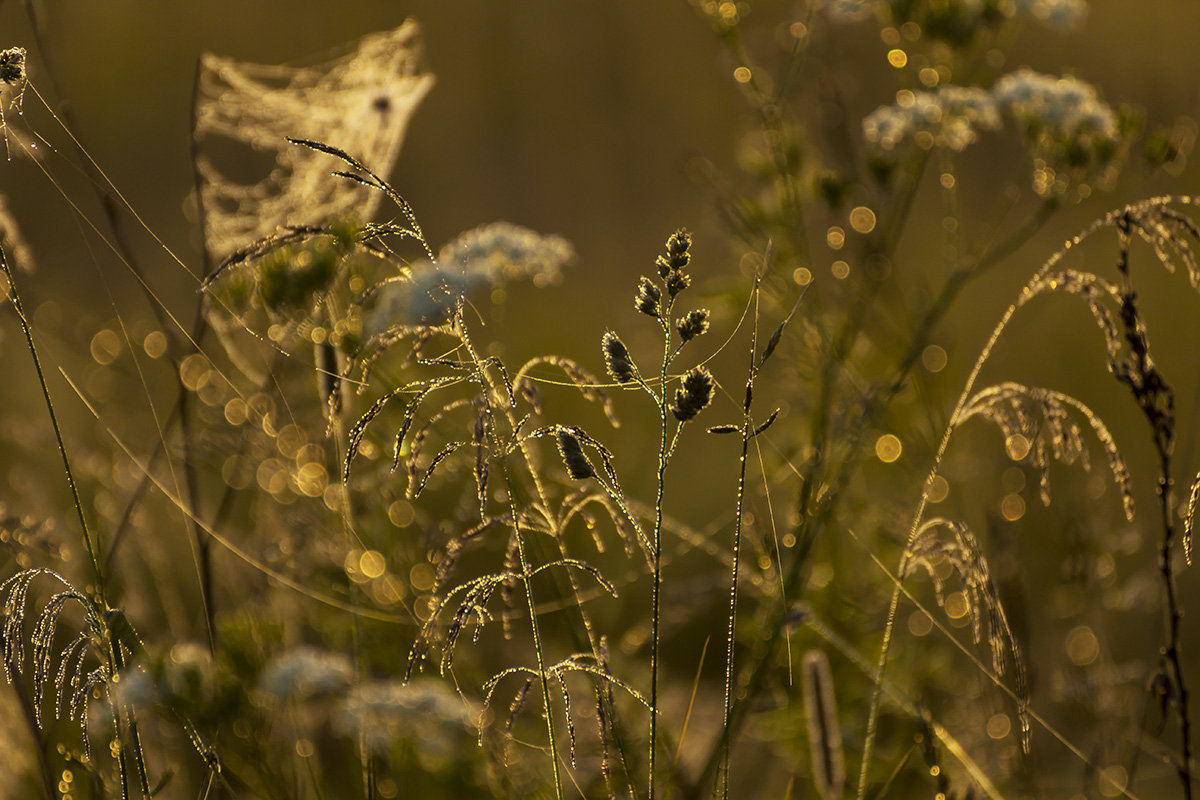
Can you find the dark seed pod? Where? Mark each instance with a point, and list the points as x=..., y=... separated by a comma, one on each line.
x=617, y=360
x=648, y=296
x=578, y=466
x=693, y=324
x=695, y=394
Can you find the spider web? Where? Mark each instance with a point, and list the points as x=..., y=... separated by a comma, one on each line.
x=361, y=103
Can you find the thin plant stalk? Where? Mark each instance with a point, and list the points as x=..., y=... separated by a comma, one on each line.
x=89, y=542
x=813, y=516
x=539, y=653
x=721, y=788
x=1157, y=401
x=656, y=585
x=526, y=575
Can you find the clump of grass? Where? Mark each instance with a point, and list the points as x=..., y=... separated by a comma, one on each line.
x=472, y=507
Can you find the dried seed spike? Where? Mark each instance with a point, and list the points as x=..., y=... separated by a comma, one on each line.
x=777, y=334
x=694, y=395
x=566, y=696
x=578, y=465
x=693, y=324
x=677, y=250
x=442, y=455
x=647, y=298
x=824, y=729
x=769, y=422
x=359, y=429
x=479, y=439
x=330, y=364
x=410, y=411
x=518, y=703
x=416, y=444
x=617, y=360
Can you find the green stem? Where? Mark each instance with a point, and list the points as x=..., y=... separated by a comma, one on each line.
x=88, y=542
x=721, y=786
x=656, y=585
x=537, y=641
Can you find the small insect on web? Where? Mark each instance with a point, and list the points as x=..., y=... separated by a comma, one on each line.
x=362, y=101
x=12, y=80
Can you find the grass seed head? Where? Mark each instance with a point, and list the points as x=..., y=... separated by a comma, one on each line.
x=677, y=256
x=617, y=360
x=694, y=396
x=647, y=298
x=693, y=324
x=578, y=466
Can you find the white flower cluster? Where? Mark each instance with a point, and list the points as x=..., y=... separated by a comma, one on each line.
x=846, y=11
x=502, y=251
x=305, y=672
x=1054, y=111
x=1062, y=108
x=1061, y=15
x=950, y=117
x=425, y=712
x=490, y=254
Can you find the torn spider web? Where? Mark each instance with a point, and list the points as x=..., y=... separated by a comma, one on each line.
x=360, y=103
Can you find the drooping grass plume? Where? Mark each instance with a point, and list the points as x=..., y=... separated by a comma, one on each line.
x=90, y=663
x=942, y=541
x=1037, y=426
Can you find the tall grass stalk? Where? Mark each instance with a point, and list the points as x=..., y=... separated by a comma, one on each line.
x=89, y=542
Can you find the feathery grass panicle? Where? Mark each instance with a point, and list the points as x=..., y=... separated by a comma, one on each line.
x=106, y=639
x=989, y=622
x=1037, y=426
x=824, y=727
